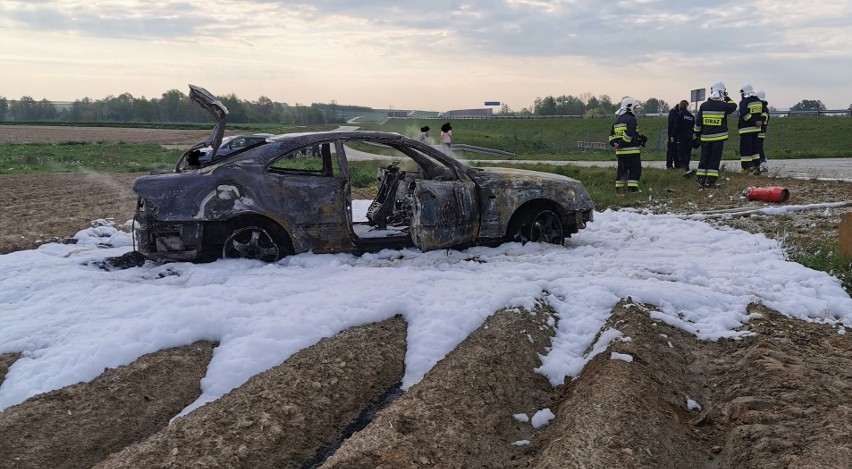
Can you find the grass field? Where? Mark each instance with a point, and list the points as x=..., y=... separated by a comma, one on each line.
x=787, y=137
x=27, y=158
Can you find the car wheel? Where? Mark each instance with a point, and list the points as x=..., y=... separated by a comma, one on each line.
x=541, y=225
x=256, y=241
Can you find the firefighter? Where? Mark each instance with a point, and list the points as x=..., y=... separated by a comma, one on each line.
x=672, y=160
x=749, y=125
x=627, y=140
x=684, y=123
x=761, y=137
x=711, y=127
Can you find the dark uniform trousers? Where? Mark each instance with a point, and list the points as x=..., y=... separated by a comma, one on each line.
x=708, y=165
x=629, y=172
x=672, y=159
x=749, y=150
x=684, y=151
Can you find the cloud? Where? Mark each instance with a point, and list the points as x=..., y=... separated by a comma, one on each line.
x=619, y=31
x=644, y=47
x=109, y=19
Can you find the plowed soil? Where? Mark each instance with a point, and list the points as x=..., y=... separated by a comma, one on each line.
x=781, y=398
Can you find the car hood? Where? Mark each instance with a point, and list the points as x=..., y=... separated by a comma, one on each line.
x=521, y=174
x=530, y=185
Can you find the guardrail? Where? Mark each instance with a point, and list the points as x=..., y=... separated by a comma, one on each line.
x=585, y=145
x=462, y=147
x=485, y=151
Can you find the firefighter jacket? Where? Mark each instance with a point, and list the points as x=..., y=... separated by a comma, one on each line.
x=765, y=117
x=684, y=123
x=625, y=133
x=711, y=123
x=751, y=111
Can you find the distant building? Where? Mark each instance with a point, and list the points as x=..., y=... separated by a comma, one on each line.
x=397, y=113
x=463, y=113
x=423, y=114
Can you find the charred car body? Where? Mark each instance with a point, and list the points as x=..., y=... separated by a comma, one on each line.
x=291, y=193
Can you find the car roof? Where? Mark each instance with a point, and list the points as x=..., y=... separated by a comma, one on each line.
x=308, y=138
x=231, y=137
x=323, y=135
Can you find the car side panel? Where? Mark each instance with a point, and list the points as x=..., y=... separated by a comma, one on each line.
x=311, y=208
x=445, y=214
x=503, y=191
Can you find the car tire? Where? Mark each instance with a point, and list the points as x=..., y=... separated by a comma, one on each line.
x=539, y=225
x=258, y=241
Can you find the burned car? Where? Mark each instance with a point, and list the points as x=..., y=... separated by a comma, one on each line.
x=291, y=193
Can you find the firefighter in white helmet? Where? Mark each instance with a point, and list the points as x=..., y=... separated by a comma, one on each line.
x=749, y=125
x=711, y=127
x=627, y=141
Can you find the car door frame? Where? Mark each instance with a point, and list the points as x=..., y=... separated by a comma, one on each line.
x=316, y=205
x=445, y=212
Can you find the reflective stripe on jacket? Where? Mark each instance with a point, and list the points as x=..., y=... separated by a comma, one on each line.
x=624, y=133
x=751, y=112
x=711, y=122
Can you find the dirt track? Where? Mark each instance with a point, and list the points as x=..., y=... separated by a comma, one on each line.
x=778, y=399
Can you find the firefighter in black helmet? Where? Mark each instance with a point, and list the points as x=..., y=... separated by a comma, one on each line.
x=711, y=126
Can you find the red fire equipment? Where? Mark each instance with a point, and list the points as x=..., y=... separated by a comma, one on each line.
x=768, y=194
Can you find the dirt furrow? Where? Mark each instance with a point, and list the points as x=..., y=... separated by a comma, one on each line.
x=81, y=424
x=284, y=416
x=6, y=360
x=625, y=414
x=461, y=413
x=784, y=400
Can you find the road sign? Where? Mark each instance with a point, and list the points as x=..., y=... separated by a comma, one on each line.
x=697, y=95
x=492, y=103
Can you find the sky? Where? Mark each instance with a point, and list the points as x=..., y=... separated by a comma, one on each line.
x=435, y=56
x=71, y=319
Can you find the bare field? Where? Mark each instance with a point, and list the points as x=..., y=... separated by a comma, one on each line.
x=42, y=208
x=61, y=134
x=778, y=399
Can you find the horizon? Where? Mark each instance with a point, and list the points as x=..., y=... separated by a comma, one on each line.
x=441, y=56
x=496, y=109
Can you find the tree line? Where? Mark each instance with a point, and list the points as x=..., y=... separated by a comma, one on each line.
x=590, y=106
x=173, y=106
x=584, y=105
